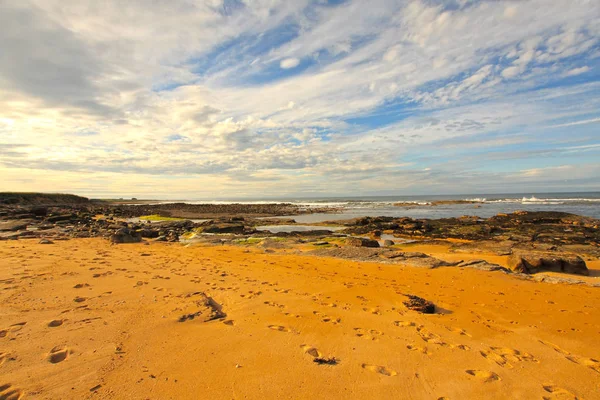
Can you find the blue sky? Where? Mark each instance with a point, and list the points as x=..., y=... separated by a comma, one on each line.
x=238, y=98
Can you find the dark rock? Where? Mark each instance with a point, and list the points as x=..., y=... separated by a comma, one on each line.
x=149, y=233
x=189, y=317
x=63, y=217
x=361, y=242
x=12, y=226
x=44, y=227
x=533, y=262
x=318, y=232
x=483, y=266
x=46, y=241
x=27, y=234
x=224, y=228
x=419, y=304
x=23, y=216
x=406, y=254
x=125, y=235
x=39, y=211
x=388, y=243
x=326, y=361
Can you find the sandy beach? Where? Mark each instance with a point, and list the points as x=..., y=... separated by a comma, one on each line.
x=86, y=319
x=314, y=199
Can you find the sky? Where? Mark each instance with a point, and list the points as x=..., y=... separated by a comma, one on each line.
x=201, y=99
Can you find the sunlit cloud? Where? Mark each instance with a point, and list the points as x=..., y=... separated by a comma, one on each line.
x=240, y=98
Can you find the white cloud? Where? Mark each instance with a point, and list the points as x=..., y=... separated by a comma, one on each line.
x=187, y=90
x=583, y=122
x=510, y=72
x=289, y=63
x=510, y=11
x=577, y=71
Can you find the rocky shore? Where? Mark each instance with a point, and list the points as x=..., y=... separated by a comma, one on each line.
x=59, y=217
x=535, y=241
x=478, y=303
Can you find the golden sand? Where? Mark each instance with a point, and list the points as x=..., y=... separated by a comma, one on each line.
x=86, y=319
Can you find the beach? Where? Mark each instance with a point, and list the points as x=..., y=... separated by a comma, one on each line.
x=315, y=199
x=84, y=318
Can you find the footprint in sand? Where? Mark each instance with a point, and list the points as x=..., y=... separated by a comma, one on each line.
x=335, y=321
x=404, y=324
x=420, y=349
x=58, y=354
x=430, y=337
x=11, y=329
x=513, y=354
x=279, y=328
x=485, y=376
x=326, y=318
x=459, y=331
x=273, y=304
x=503, y=356
x=493, y=357
x=378, y=369
x=368, y=334
x=588, y=362
x=557, y=393
x=311, y=351
x=460, y=347
x=81, y=285
x=9, y=392
x=55, y=322
x=3, y=357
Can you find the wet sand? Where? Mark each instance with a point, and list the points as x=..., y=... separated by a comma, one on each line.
x=86, y=319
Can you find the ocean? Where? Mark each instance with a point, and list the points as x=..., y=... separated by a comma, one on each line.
x=581, y=203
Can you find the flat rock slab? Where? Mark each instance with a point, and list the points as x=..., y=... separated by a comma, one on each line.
x=14, y=225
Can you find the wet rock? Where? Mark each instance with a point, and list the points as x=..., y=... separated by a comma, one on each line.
x=553, y=228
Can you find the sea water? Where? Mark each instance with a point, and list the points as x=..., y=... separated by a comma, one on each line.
x=581, y=203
